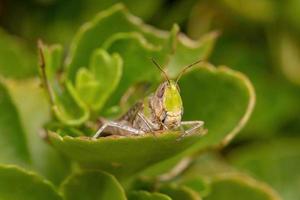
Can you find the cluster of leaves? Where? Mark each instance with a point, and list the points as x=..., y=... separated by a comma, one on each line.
x=108, y=57
x=260, y=38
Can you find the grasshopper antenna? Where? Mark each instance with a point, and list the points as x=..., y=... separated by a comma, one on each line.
x=186, y=68
x=161, y=69
x=42, y=65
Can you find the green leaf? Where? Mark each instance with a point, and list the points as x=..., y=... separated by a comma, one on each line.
x=225, y=112
x=179, y=192
x=16, y=183
x=34, y=113
x=16, y=60
x=95, y=85
x=119, y=156
x=13, y=141
x=276, y=162
x=187, y=51
x=92, y=185
x=143, y=195
x=239, y=187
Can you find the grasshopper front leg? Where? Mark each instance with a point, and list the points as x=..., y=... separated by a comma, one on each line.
x=196, y=125
x=118, y=126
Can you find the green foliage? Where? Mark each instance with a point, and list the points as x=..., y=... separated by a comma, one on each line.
x=108, y=60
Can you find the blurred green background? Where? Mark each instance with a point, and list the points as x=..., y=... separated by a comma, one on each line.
x=260, y=38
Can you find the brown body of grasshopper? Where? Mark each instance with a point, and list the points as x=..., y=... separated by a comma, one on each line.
x=162, y=110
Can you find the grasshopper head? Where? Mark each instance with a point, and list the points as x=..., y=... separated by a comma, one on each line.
x=168, y=107
x=166, y=102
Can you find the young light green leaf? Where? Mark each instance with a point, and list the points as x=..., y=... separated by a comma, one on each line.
x=16, y=183
x=66, y=103
x=69, y=108
x=91, y=185
x=95, y=85
x=143, y=195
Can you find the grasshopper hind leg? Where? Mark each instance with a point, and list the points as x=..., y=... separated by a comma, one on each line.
x=195, y=126
x=118, y=127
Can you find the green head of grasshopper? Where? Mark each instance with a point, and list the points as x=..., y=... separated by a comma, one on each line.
x=166, y=102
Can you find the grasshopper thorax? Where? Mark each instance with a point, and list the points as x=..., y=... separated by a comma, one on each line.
x=167, y=106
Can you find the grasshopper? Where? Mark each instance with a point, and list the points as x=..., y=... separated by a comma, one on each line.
x=160, y=111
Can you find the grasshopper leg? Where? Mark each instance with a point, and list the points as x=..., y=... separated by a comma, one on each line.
x=119, y=126
x=196, y=125
x=149, y=124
